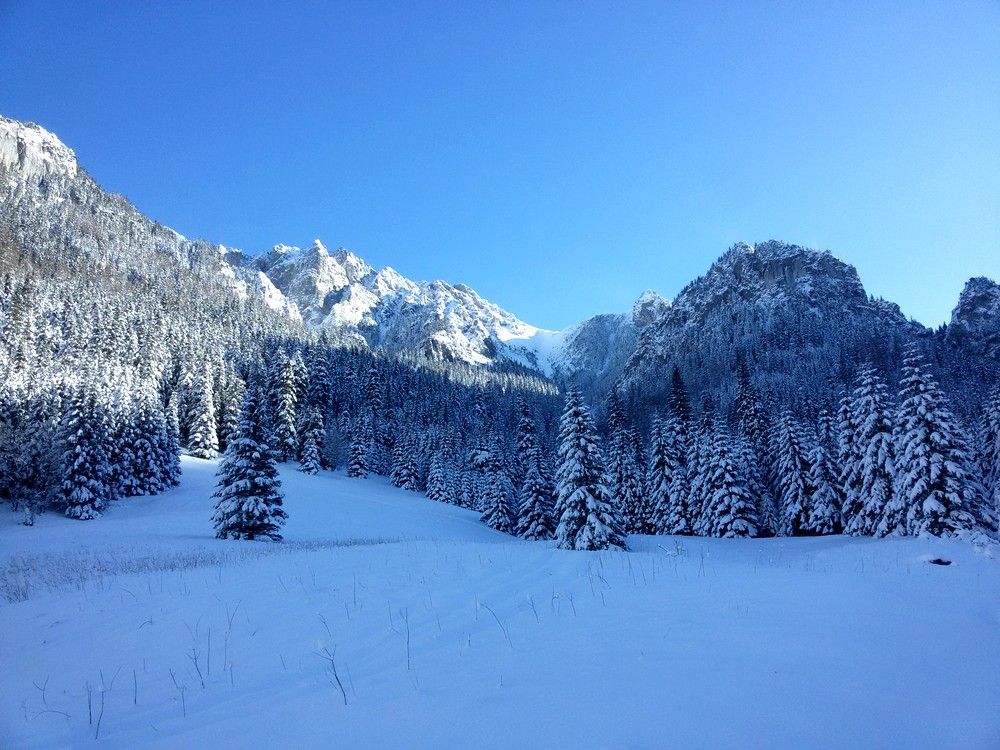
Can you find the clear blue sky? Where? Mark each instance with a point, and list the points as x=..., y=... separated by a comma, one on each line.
x=559, y=157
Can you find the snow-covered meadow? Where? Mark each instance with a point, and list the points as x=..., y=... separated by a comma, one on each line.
x=388, y=620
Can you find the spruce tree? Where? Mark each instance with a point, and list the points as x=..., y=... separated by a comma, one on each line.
x=827, y=499
x=311, y=432
x=249, y=495
x=870, y=467
x=679, y=402
x=498, y=502
x=664, y=485
x=933, y=484
x=85, y=469
x=203, y=440
x=171, y=446
x=792, y=476
x=403, y=473
x=623, y=473
x=535, y=507
x=990, y=459
x=439, y=480
x=285, y=400
x=357, y=464
x=147, y=456
x=729, y=509
x=587, y=514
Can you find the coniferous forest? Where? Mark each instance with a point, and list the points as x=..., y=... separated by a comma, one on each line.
x=772, y=412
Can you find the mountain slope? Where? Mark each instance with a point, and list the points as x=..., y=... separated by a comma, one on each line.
x=792, y=314
x=798, y=319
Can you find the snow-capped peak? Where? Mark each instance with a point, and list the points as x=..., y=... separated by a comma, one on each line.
x=30, y=153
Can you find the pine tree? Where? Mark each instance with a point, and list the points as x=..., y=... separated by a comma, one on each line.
x=699, y=463
x=203, y=440
x=498, y=502
x=440, y=483
x=535, y=519
x=248, y=492
x=679, y=403
x=147, y=456
x=666, y=492
x=870, y=466
x=403, y=473
x=285, y=400
x=990, y=460
x=586, y=512
x=824, y=516
x=623, y=471
x=230, y=398
x=85, y=473
x=933, y=484
x=357, y=464
x=171, y=446
x=729, y=509
x=792, y=476
x=312, y=433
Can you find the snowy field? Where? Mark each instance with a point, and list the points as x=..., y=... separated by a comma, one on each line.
x=142, y=630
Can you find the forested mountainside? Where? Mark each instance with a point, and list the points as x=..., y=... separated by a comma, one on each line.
x=772, y=396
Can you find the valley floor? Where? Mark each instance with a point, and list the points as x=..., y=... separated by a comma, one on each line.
x=447, y=634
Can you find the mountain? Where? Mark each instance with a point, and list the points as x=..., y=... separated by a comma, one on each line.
x=798, y=318
x=975, y=322
x=341, y=294
x=48, y=200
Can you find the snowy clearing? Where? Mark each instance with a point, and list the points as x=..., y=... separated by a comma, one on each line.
x=144, y=631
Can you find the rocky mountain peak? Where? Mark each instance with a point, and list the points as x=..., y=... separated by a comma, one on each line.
x=975, y=321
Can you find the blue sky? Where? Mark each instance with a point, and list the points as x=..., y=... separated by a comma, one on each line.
x=559, y=157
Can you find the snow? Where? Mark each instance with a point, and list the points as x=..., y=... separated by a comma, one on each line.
x=29, y=152
x=684, y=642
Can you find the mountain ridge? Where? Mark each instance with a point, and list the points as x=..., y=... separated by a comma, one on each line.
x=338, y=293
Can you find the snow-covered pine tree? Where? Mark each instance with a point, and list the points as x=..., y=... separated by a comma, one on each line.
x=535, y=507
x=85, y=469
x=203, y=439
x=623, y=471
x=990, y=458
x=933, y=483
x=730, y=510
x=871, y=468
x=678, y=401
x=699, y=460
x=792, y=476
x=231, y=391
x=752, y=421
x=824, y=516
x=357, y=463
x=440, y=484
x=498, y=502
x=755, y=447
x=311, y=433
x=527, y=438
x=319, y=389
x=403, y=473
x=285, y=400
x=663, y=477
x=768, y=517
x=848, y=456
x=170, y=448
x=146, y=449
x=587, y=515
x=249, y=491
